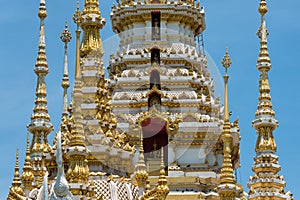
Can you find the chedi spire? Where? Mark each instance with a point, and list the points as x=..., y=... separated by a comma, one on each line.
x=40, y=125
x=16, y=191
x=228, y=189
x=266, y=182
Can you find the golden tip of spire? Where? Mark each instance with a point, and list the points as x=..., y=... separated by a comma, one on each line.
x=17, y=160
x=17, y=154
x=77, y=17
x=263, y=9
x=42, y=10
x=66, y=36
x=226, y=61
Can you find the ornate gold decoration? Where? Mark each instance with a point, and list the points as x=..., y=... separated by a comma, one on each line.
x=124, y=16
x=266, y=165
x=78, y=171
x=155, y=66
x=40, y=125
x=65, y=125
x=227, y=189
x=91, y=25
x=226, y=61
x=65, y=38
x=161, y=190
x=141, y=174
x=27, y=174
x=154, y=113
x=16, y=190
x=155, y=90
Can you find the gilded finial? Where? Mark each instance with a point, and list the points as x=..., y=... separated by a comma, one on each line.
x=162, y=185
x=42, y=10
x=227, y=176
x=17, y=164
x=27, y=174
x=65, y=37
x=263, y=8
x=77, y=17
x=141, y=175
x=264, y=61
x=226, y=61
x=16, y=184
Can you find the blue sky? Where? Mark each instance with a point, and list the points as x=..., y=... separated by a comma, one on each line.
x=232, y=22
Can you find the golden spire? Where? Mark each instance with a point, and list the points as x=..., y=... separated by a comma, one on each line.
x=77, y=18
x=263, y=34
x=264, y=108
x=40, y=125
x=65, y=38
x=78, y=171
x=16, y=184
x=162, y=186
x=266, y=166
x=264, y=113
x=161, y=190
x=77, y=138
x=91, y=7
x=27, y=174
x=227, y=188
x=91, y=25
x=227, y=175
x=141, y=174
x=226, y=62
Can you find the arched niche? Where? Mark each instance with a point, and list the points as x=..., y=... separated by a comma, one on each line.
x=155, y=141
x=154, y=101
x=155, y=79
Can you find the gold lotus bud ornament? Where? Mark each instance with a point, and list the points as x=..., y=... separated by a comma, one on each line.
x=226, y=61
x=77, y=17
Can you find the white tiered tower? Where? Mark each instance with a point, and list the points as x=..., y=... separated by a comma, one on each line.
x=161, y=87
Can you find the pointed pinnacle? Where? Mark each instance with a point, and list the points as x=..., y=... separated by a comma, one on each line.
x=226, y=61
x=77, y=17
x=66, y=36
x=263, y=9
